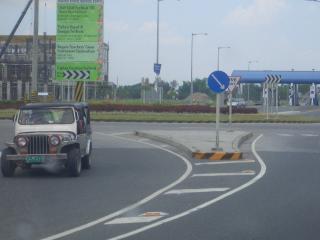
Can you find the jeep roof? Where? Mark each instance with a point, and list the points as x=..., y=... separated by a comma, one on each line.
x=52, y=105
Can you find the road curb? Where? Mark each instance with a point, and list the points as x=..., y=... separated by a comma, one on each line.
x=213, y=156
x=179, y=146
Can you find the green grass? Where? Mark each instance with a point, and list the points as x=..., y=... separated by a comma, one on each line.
x=186, y=117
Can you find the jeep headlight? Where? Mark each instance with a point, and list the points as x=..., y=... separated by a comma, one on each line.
x=21, y=141
x=54, y=140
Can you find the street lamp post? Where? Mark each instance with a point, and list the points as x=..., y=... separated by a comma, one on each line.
x=158, y=40
x=218, y=104
x=35, y=48
x=192, y=41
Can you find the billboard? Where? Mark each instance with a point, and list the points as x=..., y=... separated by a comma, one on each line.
x=79, y=46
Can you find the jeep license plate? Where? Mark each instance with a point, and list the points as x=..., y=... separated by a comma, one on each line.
x=34, y=159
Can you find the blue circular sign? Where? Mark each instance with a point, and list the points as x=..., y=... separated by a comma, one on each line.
x=218, y=81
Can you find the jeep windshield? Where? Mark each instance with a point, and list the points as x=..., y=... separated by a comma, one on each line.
x=43, y=116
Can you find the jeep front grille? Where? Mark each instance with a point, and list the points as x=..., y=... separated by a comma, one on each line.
x=38, y=145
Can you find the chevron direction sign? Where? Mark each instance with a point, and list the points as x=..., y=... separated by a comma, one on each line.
x=273, y=79
x=79, y=43
x=76, y=75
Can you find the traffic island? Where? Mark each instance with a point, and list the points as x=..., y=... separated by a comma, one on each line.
x=199, y=144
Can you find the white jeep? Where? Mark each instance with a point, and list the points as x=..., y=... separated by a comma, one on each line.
x=58, y=133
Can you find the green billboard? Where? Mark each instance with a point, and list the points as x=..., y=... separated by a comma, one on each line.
x=79, y=43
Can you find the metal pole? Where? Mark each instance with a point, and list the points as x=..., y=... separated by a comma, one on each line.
x=277, y=99
x=68, y=90
x=34, y=86
x=218, y=109
x=158, y=32
x=217, y=122
x=230, y=108
x=191, y=69
x=272, y=98
x=84, y=91
x=267, y=101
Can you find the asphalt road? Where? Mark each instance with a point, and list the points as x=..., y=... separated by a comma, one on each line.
x=282, y=203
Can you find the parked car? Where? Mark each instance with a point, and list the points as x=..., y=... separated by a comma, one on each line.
x=50, y=133
x=237, y=102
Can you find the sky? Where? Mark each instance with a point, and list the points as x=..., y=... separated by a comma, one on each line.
x=274, y=34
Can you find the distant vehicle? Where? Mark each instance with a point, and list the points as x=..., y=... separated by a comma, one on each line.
x=237, y=102
x=50, y=133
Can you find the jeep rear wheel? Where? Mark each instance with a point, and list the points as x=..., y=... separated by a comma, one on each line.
x=74, y=162
x=7, y=167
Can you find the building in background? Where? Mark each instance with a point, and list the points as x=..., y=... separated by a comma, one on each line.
x=15, y=67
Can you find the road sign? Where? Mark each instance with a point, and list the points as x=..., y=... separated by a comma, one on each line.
x=78, y=75
x=157, y=68
x=233, y=83
x=218, y=81
x=80, y=44
x=273, y=79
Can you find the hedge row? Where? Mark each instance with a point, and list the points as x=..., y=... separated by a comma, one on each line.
x=167, y=108
x=149, y=108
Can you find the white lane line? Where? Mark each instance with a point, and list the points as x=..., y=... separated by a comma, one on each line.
x=132, y=220
x=310, y=135
x=206, y=204
x=225, y=162
x=201, y=190
x=135, y=205
x=224, y=174
x=285, y=135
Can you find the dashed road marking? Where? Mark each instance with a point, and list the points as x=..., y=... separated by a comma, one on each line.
x=143, y=218
x=225, y=162
x=309, y=135
x=224, y=174
x=201, y=190
x=285, y=135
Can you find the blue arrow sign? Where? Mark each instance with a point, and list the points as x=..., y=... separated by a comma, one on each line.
x=218, y=81
x=157, y=68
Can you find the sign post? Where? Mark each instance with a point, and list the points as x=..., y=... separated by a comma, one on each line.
x=218, y=82
x=233, y=85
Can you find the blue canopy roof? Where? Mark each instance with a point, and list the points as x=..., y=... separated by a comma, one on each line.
x=288, y=77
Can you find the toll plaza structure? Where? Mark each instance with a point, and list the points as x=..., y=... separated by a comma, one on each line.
x=292, y=79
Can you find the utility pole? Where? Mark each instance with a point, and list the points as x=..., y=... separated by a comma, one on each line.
x=34, y=84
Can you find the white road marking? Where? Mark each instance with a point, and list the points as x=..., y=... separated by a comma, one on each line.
x=206, y=204
x=225, y=162
x=201, y=190
x=131, y=220
x=135, y=205
x=223, y=174
x=309, y=135
x=285, y=135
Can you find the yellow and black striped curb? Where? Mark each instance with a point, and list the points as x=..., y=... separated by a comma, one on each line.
x=217, y=156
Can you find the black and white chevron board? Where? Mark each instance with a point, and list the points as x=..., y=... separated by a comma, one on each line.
x=273, y=79
x=76, y=75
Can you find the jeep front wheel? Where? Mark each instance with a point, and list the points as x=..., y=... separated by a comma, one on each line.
x=86, y=160
x=7, y=167
x=74, y=162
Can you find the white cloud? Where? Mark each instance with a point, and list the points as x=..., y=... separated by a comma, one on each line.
x=257, y=13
